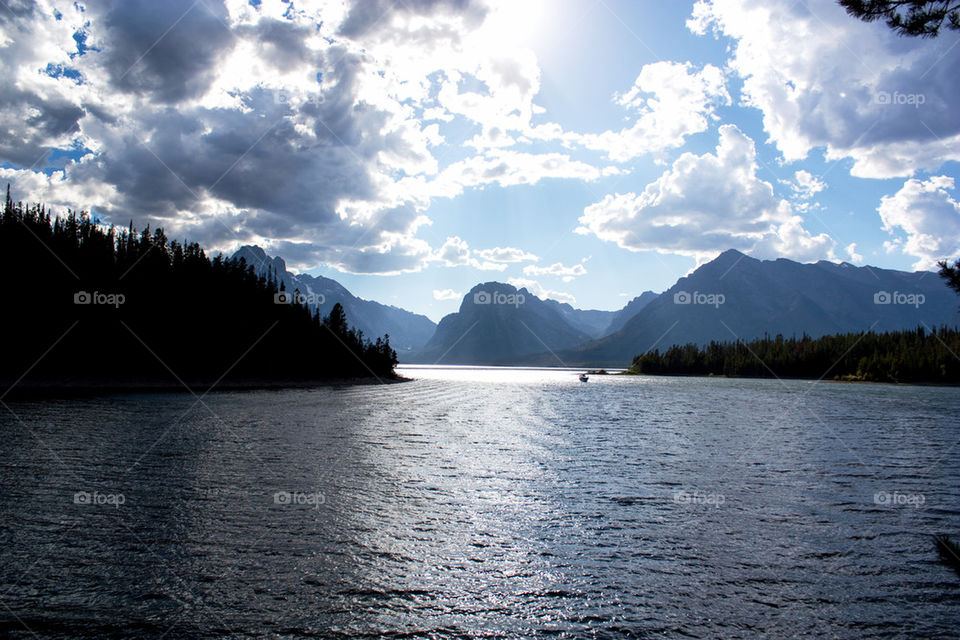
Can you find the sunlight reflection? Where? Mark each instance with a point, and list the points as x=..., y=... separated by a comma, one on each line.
x=513, y=375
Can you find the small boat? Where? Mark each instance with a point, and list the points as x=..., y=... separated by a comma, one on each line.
x=584, y=377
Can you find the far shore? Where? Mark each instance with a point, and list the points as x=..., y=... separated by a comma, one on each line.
x=628, y=372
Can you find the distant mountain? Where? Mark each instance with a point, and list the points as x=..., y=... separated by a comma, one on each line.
x=738, y=297
x=635, y=306
x=408, y=331
x=499, y=324
x=592, y=322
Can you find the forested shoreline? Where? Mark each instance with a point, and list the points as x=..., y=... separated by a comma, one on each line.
x=913, y=356
x=85, y=302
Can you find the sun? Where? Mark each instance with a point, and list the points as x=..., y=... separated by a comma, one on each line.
x=522, y=23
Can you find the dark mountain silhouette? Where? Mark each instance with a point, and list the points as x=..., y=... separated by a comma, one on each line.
x=499, y=324
x=774, y=297
x=635, y=306
x=408, y=331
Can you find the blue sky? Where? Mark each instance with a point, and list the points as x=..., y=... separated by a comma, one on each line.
x=588, y=149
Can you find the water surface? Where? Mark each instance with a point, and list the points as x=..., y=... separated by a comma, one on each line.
x=484, y=502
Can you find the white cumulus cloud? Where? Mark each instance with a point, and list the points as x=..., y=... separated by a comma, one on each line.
x=672, y=101
x=824, y=79
x=924, y=217
x=456, y=252
x=704, y=204
x=445, y=294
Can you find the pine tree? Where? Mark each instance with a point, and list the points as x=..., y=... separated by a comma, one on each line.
x=922, y=18
x=337, y=320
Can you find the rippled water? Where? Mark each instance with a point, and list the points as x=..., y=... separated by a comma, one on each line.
x=484, y=503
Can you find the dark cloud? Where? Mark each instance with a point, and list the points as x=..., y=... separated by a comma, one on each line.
x=14, y=10
x=280, y=42
x=351, y=257
x=31, y=124
x=166, y=50
x=258, y=163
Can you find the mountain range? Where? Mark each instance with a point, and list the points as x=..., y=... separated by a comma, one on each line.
x=410, y=332
x=738, y=297
x=731, y=297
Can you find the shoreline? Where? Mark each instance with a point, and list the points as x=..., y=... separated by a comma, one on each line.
x=832, y=380
x=47, y=389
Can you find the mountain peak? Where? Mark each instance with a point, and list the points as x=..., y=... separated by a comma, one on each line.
x=730, y=256
x=251, y=250
x=257, y=258
x=498, y=322
x=495, y=293
x=494, y=285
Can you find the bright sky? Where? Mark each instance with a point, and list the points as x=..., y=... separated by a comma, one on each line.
x=586, y=149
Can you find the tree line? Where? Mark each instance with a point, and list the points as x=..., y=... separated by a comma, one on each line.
x=86, y=302
x=915, y=355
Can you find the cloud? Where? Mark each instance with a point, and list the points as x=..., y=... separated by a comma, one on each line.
x=704, y=204
x=851, y=250
x=446, y=294
x=506, y=254
x=824, y=79
x=791, y=240
x=39, y=111
x=929, y=217
x=162, y=51
x=456, y=252
x=540, y=291
x=806, y=185
x=248, y=154
x=312, y=129
x=556, y=269
x=394, y=20
x=510, y=168
x=672, y=100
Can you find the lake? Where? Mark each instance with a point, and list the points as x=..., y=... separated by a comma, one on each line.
x=484, y=502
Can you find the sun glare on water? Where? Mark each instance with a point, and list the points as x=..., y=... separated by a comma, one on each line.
x=499, y=375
